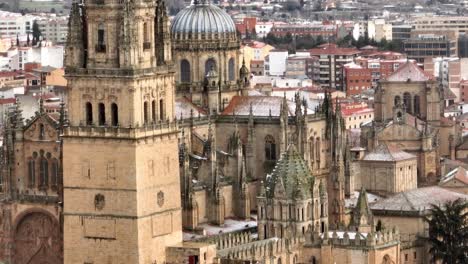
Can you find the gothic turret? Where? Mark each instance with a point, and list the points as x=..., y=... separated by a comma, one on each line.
x=75, y=49
x=362, y=219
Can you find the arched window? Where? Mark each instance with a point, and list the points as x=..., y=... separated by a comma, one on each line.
x=407, y=102
x=115, y=114
x=31, y=172
x=89, y=113
x=185, y=71
x=279, y=260
x=317, y=149
x=210, y=64
x=232, y=69
x=397, y=100
x=314, y=260
x=43, y=172
x=102, y=114
x=270, y=148
x=153, y=110
x=146, y=37
x=145, y=112
x=417, y=110
x=161, y=110
x=311, y=149
x=101, y=39
x=54, y=174
x=41, y=132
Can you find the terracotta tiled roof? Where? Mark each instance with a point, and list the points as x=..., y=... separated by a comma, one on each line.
x=409, y=72
x=356, y=111
x=459, y=173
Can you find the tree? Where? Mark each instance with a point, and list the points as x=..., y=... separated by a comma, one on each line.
x=448, y=232
x=36, y=32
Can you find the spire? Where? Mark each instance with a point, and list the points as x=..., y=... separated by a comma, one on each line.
x=18, y=115
x=63, y=121
x=74, y=52
x=362, y=215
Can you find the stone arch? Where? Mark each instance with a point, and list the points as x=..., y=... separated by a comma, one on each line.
x=37, y=238
x=387, y=260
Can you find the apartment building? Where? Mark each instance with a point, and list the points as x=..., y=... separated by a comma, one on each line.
x=441, y=23
x=425, y=46
x=54, y=29
x=331, y=60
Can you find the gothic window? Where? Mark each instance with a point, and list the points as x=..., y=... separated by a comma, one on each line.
x=31, y=172
x=185, y=71
x=161, y=110
x=397, y=100
x=232, y=69
x=43, y=172
x=89, y=113
x=210, y=64
x=146, y=42
x=101, y=39
x=311, y=149
x=54, y=172
x=153, y=110
x=41, y=132
x=102, y=114
x=317, y=149
x=270, y=148
x=115, y=114
x=314, y=260
x=407, y=102
x=145, y=112
x=279, y=260
x=416, y=106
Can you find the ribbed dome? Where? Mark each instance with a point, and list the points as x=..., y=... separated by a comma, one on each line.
x=202, y=18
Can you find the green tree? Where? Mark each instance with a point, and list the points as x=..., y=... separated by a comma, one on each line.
x=36, y=32
x=448, y=232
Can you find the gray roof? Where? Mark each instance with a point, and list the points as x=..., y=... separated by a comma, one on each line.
x=202, y=17
x=417, y=200
x=383, y=152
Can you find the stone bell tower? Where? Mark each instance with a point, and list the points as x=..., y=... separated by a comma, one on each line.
x=121, y=179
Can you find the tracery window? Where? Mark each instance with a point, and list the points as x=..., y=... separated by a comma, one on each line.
x=270, y=148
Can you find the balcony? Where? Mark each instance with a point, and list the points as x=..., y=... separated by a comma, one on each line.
x=101, y=48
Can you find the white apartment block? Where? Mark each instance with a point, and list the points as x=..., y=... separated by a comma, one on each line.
x=53, y=28
x=275, y=65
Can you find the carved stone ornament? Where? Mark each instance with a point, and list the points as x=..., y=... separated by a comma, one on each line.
x=160, y=198
x=99, y=201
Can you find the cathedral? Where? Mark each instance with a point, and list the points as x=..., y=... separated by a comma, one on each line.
x=162, y=134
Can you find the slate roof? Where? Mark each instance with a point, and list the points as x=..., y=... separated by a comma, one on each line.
x=261, y=106
x=291, y=173
x=409, y=71
x=384, y=152
x=417, y=199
